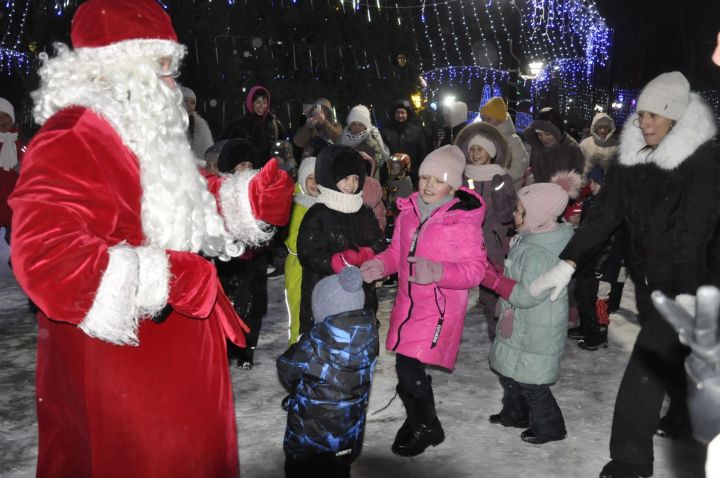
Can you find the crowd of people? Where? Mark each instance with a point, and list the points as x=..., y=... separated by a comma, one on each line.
x=138, y=235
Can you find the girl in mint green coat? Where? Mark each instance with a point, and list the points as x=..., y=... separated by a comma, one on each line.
x=532, y=330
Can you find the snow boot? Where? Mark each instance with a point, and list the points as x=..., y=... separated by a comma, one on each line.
x=508, y=420
x=595, y=339
x=582, y=329
x=620, y=469
x=246, y=359
x=421, y=427
x=530, y=437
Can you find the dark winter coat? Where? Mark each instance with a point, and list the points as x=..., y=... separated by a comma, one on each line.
x=566, y=155
x=669, y=201
x=244, y=280
x=324, y=232
x=605, y=264
x=328, y=374
x=408, y=138
x=262, y=132
x=496, y=188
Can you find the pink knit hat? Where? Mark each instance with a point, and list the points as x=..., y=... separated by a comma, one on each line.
x=544, y=202
x=446, y=163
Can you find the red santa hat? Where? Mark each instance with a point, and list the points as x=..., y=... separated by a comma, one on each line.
x=99, y=23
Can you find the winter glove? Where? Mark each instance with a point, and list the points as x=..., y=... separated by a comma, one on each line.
x=193, y=284
x=498, y=282
x=426, y=271
x=604, y=289
x=558, y=278
x=364, y=254
x=372, y=270
x=270, y=193
x=699, y=331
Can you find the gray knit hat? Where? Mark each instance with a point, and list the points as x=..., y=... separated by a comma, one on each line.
x=338, y=293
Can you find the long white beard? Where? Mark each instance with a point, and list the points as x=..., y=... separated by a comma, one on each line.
x=120, y=83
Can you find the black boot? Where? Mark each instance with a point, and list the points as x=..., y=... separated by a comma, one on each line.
x=245, y=360
x=530, y=437
x=508, y=420
x=421, y=428
x=619, y=469
x=595, y=339
x=583, y=329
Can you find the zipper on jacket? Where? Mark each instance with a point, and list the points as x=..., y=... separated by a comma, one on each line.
x=413, y=247
x=438, y=327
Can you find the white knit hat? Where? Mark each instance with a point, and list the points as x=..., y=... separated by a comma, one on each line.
x=307, y=167
x=667, y=95
x=359, y=114
x=446, y=163
x=484, y=143
x=188, y=93
x=7, y=107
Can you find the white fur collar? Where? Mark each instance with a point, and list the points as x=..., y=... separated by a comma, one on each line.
x=696, y=127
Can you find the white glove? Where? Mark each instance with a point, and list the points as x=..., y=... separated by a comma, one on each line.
x=687, y=302
x=604, y=289
x=558, y=277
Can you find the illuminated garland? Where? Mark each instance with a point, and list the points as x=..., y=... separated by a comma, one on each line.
x=11, y=59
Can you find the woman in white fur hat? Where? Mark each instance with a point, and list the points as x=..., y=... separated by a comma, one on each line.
x=361, y=135
x=664, y=191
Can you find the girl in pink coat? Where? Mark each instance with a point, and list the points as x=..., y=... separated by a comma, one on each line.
x=437, y=250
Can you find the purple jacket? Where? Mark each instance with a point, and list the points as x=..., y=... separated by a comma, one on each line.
x=427, y=320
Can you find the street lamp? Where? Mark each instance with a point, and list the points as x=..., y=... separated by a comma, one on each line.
x=535, y=68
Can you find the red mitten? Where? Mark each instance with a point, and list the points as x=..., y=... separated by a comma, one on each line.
x=365, y=254
x=270, y=193
x=499, y=283
x=193, y=284
x=352, y=257
x=337, y=262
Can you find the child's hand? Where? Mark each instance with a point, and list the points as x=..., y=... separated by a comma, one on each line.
x=426, y=271
x=372, y=270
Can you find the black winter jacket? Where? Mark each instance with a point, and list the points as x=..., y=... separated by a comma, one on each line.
x=546, y=162
x=408, y=138
x=669, y=202
x=262, y=133
x=605, y=264
x=328, y=374
x=324, y=232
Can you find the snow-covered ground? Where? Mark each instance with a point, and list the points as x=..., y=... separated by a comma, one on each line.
x=466, y=397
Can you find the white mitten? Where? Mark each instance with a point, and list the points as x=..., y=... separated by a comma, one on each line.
x=558, y=278
x=604, y=289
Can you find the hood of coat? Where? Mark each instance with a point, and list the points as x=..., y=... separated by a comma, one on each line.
x=351, y=337
x=533, y=140
x=251, y=95
x=696, y=127
x=465, y=200
x=601, y=119
x=502, y=158
x=554, y=241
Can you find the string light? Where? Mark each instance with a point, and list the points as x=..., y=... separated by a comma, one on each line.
x=11, y=59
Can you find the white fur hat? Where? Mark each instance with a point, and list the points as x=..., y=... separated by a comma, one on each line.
x=188, y=93
x=667, y=95
x=7, y=107
x=360, y=114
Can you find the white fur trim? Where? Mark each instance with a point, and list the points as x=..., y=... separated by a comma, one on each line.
x=153, y=280
x=696, y=127
x=237, y=211
x=113, y=316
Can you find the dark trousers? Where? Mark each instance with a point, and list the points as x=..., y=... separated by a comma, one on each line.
x=325, y=465
x=586, y=291
x=411, y=375
x=537, y=401
x=655, y=368
x=489, y=300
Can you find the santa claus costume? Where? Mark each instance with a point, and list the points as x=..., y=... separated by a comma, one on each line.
x=110, y=214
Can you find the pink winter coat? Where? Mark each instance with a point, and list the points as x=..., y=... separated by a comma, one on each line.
x=452, y=236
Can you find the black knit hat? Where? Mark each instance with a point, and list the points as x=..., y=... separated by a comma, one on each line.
x=336, y=162
x=237, y=151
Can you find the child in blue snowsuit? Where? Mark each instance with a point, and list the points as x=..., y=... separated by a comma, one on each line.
x=328, y=373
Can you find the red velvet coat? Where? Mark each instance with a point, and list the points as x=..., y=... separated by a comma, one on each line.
x=162, y=408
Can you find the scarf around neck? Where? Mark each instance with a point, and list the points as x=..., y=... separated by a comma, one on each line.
x=426, y=210
x=8, y=153
x=484, y=172
x=341, y=202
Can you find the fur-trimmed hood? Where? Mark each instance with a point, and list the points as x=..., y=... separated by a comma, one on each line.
x=502, y=158
x=696, y=127
x=601, y=119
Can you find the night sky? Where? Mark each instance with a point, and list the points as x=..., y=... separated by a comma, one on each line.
x=654, y=36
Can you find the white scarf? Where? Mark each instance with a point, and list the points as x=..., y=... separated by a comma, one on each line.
x=341, y=202
x=484, y=172
x=352, y=140
x=8, y=153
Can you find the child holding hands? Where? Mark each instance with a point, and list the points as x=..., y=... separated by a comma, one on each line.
x=438, y=253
